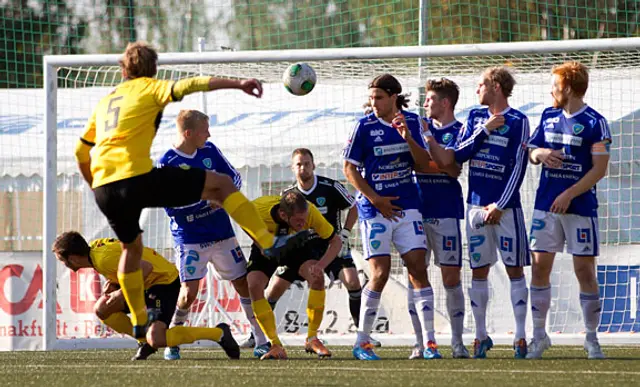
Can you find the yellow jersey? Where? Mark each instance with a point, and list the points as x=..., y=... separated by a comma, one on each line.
x=267, y=207
x=122, y=128
x=105, y=256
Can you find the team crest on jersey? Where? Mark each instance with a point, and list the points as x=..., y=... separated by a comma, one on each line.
x=321, y=201
x=503, y=129
x=577, y=128
x=207, y=162
x=184, y=166
x=447, y=137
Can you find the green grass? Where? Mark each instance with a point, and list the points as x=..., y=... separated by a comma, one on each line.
x=562, y=366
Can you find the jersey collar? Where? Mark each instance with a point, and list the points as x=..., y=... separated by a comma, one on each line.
x=450, y=124
x=185, y=155
x=313, y=187
x=568, y=116
x=502, y=113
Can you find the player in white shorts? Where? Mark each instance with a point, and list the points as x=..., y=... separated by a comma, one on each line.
x=494, y=142
x=202, y=231
x=442, y=208
x=572, y=143
x=379, y=164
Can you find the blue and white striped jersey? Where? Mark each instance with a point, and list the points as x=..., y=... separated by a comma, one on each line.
x=497, y=160
x=198, y=222
x=576, y=136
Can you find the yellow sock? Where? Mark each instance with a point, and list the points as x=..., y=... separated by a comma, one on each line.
x=315, y=309
x=245, y=214
x=132, y=285
x=185, y=335
x=120, y=323
x=266, y=320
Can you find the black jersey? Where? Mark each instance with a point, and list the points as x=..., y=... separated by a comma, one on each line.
x=329, y=196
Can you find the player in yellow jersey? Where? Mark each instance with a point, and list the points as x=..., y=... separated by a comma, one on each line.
x=162, y=287
x=284, y=215
x=121, y=174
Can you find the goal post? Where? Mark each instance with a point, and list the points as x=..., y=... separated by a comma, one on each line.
x=258, y=136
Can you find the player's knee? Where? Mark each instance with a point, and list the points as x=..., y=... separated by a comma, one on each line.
x=515, y=272
x=451, y=276
x=585, y=273
x=480, y=273
x=187, y=297
x=241, y=286
x=157, y=335
x=100, y=309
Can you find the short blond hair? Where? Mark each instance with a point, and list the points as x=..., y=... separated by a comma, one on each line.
x=574, y=75
x=139, y=60
x=188, y=119
x=503, y=77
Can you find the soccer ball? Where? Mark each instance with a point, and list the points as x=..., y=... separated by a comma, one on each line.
x=299, y=79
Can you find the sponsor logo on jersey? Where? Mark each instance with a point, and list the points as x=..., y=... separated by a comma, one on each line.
x=391, y=175
x=552, y=120
x=192, y=255
x=565, y=139
x=448, y=243
x=571, y=167
x=506, y=244
x=497, y=140
x=583, y=235
x=320, y=200
x=447, y=138
x=418, y=227
x=390, y=149
x=376, y=228
x=475, y=241
x=487, y=165
x=207, y=163
x=503, y=129
x=577, y=128
x=184, y=166
x=378, y=139
x=376, y=132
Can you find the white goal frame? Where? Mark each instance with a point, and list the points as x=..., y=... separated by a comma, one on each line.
x=53, y=62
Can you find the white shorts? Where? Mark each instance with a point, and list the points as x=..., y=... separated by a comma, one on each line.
x=444, y=239
x=406, y=234
x=509, y=238
x=226, y=256
x=550, y=231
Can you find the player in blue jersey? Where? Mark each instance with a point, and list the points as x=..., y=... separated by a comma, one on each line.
x=379, y=163
x=202, y=231
x=442, y=208
x=572, y=143
x=494, y=142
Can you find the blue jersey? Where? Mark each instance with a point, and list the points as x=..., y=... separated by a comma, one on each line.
x=198, y=222
x=575, y=135
x=441, y=194
x=384, y=160
x=497, y=161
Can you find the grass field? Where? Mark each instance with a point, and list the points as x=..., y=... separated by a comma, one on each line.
x=562, y=366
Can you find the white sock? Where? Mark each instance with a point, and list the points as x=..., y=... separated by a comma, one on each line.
x=479, y=295
x=179, y=317
x=540, y=302
x=423, y=299
x=519, y=298
x=258, y=335
x=368, y=314
x=455, y=309
x=415, y=321
x=591, y=312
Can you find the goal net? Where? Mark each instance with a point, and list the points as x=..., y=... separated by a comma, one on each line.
x=258, y=136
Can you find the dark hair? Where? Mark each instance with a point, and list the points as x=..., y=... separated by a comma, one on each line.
x=391, y=86
x=503, y=77
x=303, y=152
x=70, y=243
x=444, y=88
x=139, y=60
x=293, y=202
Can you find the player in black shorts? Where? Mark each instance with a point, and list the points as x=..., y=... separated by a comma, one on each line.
x=285, y=215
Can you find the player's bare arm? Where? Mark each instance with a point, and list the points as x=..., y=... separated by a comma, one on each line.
x=548, y=157
x=588, y=181
x=382, y=203
x=195, y=84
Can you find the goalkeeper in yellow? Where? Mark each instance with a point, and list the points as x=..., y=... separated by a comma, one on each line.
x=120, y=170
x=284, y=215
x=162, y=287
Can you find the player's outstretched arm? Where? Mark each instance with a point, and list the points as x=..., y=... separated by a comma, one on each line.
x=195, y=84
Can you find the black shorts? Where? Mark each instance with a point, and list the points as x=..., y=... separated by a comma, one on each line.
x=289, y=264
x=162, y=298
x=122, y=201
x=332, y=271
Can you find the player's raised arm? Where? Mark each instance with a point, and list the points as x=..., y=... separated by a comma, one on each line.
x=195, y=84
x=418, y=152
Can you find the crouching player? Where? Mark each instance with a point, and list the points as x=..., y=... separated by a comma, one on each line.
x=284, y=215
x=162, y=287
